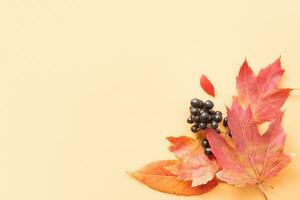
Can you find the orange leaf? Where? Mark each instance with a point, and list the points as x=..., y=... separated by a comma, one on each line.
x=157, y=177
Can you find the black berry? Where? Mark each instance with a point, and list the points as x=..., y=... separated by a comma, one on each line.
x=225, y=121
x=205, y=143
x=207, y=151
x=214, y=125
x=204, y=116
x=202, y=125
x=195, y=129
x=190, y=120
x=218, y=117
x=194, y=111
x=218, y=113
x=208, y=105
x=197, y=103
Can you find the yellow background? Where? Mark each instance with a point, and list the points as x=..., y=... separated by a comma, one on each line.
x=90, y=89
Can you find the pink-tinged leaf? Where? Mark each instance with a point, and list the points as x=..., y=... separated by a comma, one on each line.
x=246, y=84
x=193, y=165
x=207, y=86
x=157, y=177
x=269, y=106
x=254, y=157
x=262, y=92
x=269, y=77
x=182, y=145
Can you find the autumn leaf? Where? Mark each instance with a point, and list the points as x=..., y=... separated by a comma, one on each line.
x=261, y=92
x=157, y=177
x=207, y=86
x=254, y=157
x=249, y=157
x=194, y=165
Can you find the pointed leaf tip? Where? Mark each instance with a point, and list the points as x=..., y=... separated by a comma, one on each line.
x=262, y=90
x=207, y=86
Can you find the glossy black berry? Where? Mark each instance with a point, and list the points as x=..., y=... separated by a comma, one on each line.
x=194, y=129
x=201, y=111
x=205, y=143
x=207, y=151
x=218, y=117
x=210, y=118
x=214, y=125
x=208, y=105
x=218, y=113
x=225, y=121
x=194, y=111
x=204, y=116
x=190, y=120
x=197, y=103
x=196, y=119
x=202, y=125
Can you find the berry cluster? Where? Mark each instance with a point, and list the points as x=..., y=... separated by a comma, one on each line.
x=203, y=115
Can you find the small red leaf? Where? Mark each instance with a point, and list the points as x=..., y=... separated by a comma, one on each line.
x=207, y=86
x=156, y=176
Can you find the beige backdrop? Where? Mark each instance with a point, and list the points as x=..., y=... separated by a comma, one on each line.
x=90, y=89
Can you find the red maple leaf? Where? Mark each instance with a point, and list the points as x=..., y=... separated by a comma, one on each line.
x=261, y=92
x=254, y=157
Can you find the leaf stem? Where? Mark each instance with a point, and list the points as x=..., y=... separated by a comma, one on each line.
x=260, y=186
